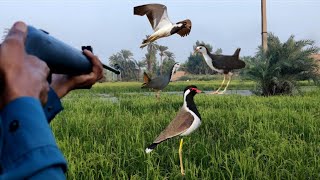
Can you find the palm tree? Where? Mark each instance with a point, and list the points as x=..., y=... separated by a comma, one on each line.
x=162, y=50
x=279, y=68
x=126, y=54
x=125, y=60
x=196, y=64
x=139, y=64
x=168, y=62
x=151, y=55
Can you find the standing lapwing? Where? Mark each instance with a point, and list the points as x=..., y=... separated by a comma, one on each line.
x=222, y=64
x=160, y=22
x=160, y=82
x=186, y=121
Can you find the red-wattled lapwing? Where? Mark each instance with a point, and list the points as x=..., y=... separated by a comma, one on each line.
x=160, y=82
x=186, y=121
x=222, y=64
x=160, y=22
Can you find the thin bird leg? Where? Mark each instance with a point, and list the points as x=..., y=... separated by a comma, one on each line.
x=217, y=91
x=158, y=95
x=180, y=156
x=227, y=84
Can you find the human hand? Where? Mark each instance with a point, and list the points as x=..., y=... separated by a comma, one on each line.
x=62, y=84
x=22, y=74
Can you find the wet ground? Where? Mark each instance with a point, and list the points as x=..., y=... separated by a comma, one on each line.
x=115, y=99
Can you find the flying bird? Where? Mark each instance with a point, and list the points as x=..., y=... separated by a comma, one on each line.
x=160, y=22
x=186, y=121
x=160, y=82
x=221, y=63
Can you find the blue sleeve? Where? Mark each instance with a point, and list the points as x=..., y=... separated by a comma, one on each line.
x=28, y=146
x=53, y=106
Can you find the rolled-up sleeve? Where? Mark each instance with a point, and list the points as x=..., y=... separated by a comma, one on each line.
x=28, y=145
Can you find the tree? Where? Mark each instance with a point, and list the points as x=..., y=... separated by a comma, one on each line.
x=168, y=62
x=125, y=60
x=279, y=68
x=196, y=64
x=162, y=52
x=150, y=57
x=140, y=65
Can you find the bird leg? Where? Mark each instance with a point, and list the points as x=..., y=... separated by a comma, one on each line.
x=180, y=156
x=148, y=40
x=158, y=95
x=217, y=91
x=229, y=77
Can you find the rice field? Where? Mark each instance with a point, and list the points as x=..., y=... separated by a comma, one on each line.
x=241, y=137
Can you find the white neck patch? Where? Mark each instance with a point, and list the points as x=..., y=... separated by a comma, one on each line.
x=185, y=97
x=208, y=60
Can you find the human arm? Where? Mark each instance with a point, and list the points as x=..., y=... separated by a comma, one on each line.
x=27, y=144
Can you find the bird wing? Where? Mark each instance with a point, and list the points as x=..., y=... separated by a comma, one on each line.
x=177, y=126
x=146, y=78
x=186, y=30
x=156, y=13
x=227, y=62
x=158, y=83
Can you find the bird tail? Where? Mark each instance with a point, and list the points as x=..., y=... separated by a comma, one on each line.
x=237, y=52
x=151, y=147
x=146, y=79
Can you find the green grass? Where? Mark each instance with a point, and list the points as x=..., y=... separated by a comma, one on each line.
x=241, y=137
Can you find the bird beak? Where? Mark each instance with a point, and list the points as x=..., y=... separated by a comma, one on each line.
x=195, y=52
x=198, y=91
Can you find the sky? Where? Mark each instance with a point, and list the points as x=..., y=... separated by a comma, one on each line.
x=109, y=26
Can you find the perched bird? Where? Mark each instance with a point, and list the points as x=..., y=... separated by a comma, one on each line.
x=186, y=121
x=221, y=63
x=160, y=82
x=160, y=22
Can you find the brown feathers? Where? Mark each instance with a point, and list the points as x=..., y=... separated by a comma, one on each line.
x=179, y=125
x=155, y=13
x=186, y=28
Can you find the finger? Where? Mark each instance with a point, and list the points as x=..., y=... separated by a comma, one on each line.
x=44, y=93
x=96, y=63
x=38, y=64
x=18, y=32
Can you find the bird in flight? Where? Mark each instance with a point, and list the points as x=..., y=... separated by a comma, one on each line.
x=160, y=22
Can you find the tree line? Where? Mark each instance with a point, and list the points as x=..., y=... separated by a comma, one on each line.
x=276, y=71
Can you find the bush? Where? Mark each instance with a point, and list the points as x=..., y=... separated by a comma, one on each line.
x=279, y=68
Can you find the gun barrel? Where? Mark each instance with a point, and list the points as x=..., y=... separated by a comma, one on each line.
x=111, y=69
x=59, y=56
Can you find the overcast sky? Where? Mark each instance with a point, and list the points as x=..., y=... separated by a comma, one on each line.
x=110, y=26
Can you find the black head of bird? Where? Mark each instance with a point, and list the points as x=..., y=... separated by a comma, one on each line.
x=191, y=90
x=160, y=22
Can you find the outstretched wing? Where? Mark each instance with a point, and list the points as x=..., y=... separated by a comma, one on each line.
x=186, y=30
x=179, y=125
x=156, y=13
